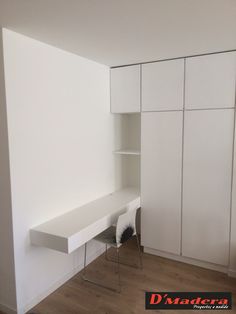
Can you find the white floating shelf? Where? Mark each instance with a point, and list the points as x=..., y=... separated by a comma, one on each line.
x=68, y=232
x=127, y=152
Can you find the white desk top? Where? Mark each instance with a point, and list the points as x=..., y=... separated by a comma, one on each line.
x=69, y=231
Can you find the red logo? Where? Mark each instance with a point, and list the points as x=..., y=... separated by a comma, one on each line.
x=189, y=300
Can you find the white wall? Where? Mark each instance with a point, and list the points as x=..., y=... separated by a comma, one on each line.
x=61, y=143
x=7, y=269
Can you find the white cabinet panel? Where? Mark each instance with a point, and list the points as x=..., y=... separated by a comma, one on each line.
x=161, y=180
x=125, y=89
x=210, y=81
x=163, y=85
x=208, y=141
x=232, y=265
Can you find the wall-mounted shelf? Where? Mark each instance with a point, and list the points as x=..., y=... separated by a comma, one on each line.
x=68, y=232
x=128, y=152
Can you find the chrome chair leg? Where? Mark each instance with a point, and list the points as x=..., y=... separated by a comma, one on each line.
x=140, y=253
x=118, y=267
x=85, y=254
x=96, y=282
x=106, y=254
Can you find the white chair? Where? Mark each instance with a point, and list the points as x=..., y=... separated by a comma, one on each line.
x=115, y=236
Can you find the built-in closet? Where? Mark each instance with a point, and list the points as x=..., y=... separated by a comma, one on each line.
x=186, y=131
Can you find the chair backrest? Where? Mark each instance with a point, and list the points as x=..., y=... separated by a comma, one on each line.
x=126, y=226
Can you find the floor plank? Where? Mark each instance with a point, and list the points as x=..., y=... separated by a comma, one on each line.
x=158, y=274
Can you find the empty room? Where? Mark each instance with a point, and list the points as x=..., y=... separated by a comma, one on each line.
x=117, y=156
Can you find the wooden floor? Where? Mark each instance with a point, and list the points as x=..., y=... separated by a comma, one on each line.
x=158, y=274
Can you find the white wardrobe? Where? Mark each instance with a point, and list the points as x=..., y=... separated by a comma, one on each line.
x=187, y=133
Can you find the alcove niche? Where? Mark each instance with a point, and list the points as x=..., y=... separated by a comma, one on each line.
x=127, y=149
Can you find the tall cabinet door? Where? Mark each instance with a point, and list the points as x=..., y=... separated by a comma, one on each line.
x=161, y=161
x=208, y=143
x=125, y=89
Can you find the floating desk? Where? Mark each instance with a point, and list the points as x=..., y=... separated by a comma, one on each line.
x=68, y=232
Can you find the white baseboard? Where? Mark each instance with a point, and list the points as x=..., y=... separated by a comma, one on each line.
x=187, y=260
x=7, y=310
x=59, y=283
x=232, y=273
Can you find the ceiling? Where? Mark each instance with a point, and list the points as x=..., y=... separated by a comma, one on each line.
x=117, y=32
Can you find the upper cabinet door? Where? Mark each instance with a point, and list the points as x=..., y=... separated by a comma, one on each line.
x=210, y=81
x=125, y=89
x=163, y=85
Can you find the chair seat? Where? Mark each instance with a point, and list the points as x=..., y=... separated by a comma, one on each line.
x=108, y=236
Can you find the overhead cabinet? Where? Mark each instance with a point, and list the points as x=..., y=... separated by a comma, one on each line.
x=210, y=81
x=161, y=146
x=163, y=85
x=125, y=89
x=208, y=144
